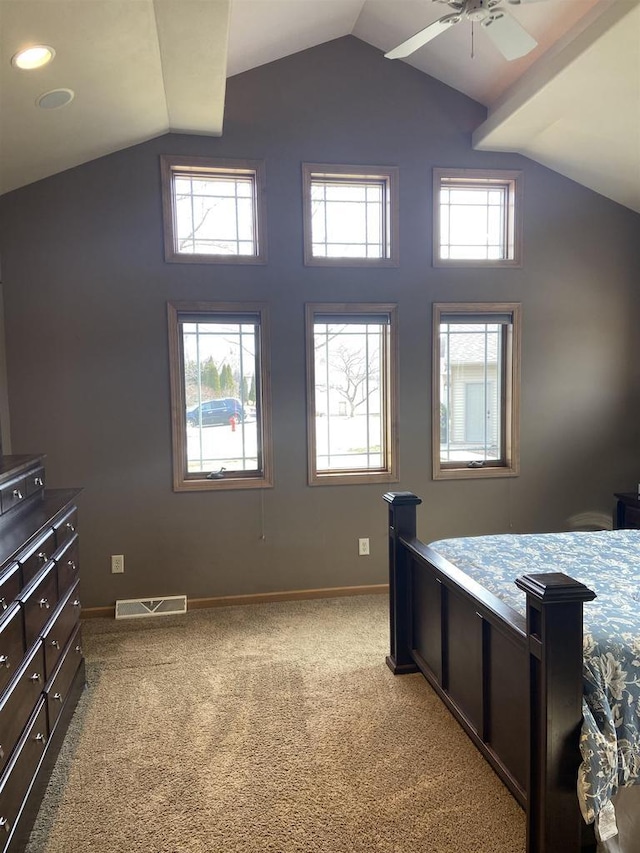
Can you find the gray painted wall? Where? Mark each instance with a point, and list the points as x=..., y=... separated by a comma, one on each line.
x=85, y=289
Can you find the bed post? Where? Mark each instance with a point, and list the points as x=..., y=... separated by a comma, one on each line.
x=402, y=522
x=554, y=632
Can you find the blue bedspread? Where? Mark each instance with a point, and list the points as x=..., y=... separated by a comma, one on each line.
x=608, y=562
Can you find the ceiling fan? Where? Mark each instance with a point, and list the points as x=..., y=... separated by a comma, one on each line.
x=511, y=39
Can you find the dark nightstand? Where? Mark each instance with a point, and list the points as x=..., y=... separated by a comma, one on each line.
x=627, y=510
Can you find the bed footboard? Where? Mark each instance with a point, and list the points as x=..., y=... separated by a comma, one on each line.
x=515, y=685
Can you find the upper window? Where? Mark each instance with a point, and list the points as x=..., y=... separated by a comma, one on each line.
x=351, y=392
x=476, y=368
x=220, y=397
x=477, y=219
x=350, y=215
x=213, y=210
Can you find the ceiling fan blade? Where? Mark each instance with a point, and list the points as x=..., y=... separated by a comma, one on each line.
x=421, y=38
x=511, y=39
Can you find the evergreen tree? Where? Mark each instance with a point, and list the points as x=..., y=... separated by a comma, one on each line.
x=210, y=377
x=251, y=396
x=223, y=380
x=215, y=384
x=227, y=383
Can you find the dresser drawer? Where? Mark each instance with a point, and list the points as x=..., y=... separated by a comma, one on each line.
x=66, y=527
x=11, y=643
x=58, y=686
x=67, y=561
x=12, y=493
x=19, y=700
x=10, y=586
x=37, y=555
x=16, y=780
x=56, y=635
x=38, y=603
x=34, y=481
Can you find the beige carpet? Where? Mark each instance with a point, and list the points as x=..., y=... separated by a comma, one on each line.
x=272, y=727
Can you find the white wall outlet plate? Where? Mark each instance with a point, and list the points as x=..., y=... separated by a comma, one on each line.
x=117, y=564
x=363, y=547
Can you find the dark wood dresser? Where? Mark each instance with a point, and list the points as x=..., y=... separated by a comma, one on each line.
x=41, y=662
x=627, y=510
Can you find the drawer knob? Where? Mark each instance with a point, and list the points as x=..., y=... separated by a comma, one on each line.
x=57, y=697
x=35, y=677
x=55, y=644
x=3, y=604
x=76, y=603
x=42, y=556
x=4, y=824
x=17, y=494
x=40, y=737
x=37, y=481
x=72, y=565
x=4, y=661
x=44, y=604
x=78, y=649
x=70, y=527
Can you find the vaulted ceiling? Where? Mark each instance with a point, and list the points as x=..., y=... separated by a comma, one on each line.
x=140, y=68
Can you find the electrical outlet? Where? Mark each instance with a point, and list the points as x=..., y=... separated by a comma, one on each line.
x=117, y=564
x=363, y=547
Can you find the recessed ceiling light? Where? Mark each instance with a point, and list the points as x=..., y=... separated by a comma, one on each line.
x=55, y=98
x=33, y=57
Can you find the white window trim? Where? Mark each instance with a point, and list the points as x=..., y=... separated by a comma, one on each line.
x=320, y=171
x=514, y=180
x=390, y=473
x=511, y=466
x=182, y=482
x=170, y=165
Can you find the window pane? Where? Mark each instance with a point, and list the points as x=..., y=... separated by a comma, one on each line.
x=347, y=219
x=221, y=386
x=350, y=390
x=345, y=192
x=474, y=220
x=471, y=382
x=374, y=223
x=468, y=226
x=346, y=224
x=215, y=215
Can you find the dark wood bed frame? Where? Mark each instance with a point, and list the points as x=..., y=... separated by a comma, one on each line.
x=514, y=684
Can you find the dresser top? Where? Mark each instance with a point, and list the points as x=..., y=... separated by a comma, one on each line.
x=632, y=498
x=11, y=466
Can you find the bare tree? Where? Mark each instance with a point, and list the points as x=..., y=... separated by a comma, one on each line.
x=359, y=375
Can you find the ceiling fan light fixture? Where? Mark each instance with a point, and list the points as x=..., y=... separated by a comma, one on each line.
x=36, y=56
x=508, y=36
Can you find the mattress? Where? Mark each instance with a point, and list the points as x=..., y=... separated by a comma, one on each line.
x=608, y=562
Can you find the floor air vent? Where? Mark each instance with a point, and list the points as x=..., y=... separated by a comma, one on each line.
x=135, y=608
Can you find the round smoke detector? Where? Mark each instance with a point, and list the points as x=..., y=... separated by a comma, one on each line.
x=55, y=98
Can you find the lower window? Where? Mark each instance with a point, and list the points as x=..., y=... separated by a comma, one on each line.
x=351, y=390
x=219, y=396
x=476, y=362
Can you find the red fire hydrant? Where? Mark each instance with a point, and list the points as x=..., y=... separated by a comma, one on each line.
x=232, y=421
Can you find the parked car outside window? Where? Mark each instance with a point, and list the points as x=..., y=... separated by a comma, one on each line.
x=215, y=412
